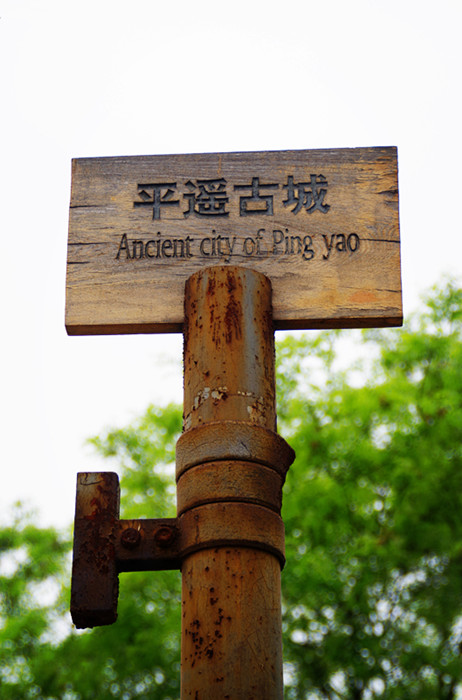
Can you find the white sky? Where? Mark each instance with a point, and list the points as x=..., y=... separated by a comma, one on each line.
x=106, y=78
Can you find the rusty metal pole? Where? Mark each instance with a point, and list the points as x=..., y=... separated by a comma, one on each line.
x=231, y=466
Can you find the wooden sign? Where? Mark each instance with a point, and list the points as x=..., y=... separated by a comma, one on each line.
x=322, y=225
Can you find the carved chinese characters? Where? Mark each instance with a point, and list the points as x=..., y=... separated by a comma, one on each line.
x=208, y=198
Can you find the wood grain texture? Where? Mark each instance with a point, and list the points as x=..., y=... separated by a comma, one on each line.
x=323, y=225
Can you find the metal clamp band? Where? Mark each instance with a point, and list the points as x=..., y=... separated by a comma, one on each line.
x=228, y=440
x=229, y=480
x=232, y=525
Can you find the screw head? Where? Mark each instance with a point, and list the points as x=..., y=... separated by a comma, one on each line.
x=165, y=536
x=130, y=538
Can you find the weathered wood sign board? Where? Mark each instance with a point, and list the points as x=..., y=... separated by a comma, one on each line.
x=322, y=225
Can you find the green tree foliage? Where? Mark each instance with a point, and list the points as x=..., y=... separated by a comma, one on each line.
x=32, y=580
x=138, y=657
x=373, y=512
x=372, y=588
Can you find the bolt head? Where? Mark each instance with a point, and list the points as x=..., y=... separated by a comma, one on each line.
x=165, y=536
x=130, y=538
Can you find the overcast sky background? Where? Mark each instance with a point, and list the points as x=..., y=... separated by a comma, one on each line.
x=106, y=78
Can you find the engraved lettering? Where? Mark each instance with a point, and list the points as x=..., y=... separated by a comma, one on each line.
x=341, y=242
x=260, y=243
x=156, y=195
x=293, y=240
x=258, y=240
x=166, y=246
x=256, y=203
x=188, y=240
x=308, y=195
x=328, y=245
x=248, y=246
x=208, y=198
x=228, y=246
x=278, y=237
x=138, y=246
x=123, y=245
x=353, y=241
x=156, y=246
x=308, y=252
x=202, y=249
x=292, y=245
x=217, y=246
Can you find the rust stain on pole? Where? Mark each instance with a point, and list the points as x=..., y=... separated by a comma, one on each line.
x=231, y=632
x=231, y=467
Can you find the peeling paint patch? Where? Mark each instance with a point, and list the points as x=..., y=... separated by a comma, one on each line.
x=200, y=397
x=221, y=392
x=257, y=411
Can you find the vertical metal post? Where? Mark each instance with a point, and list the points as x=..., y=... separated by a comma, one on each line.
x=230, y=470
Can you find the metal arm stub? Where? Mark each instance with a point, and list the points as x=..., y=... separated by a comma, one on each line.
x=223, y=501
x=104, y=546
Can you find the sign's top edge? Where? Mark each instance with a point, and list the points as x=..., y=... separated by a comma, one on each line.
x=348, y=149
